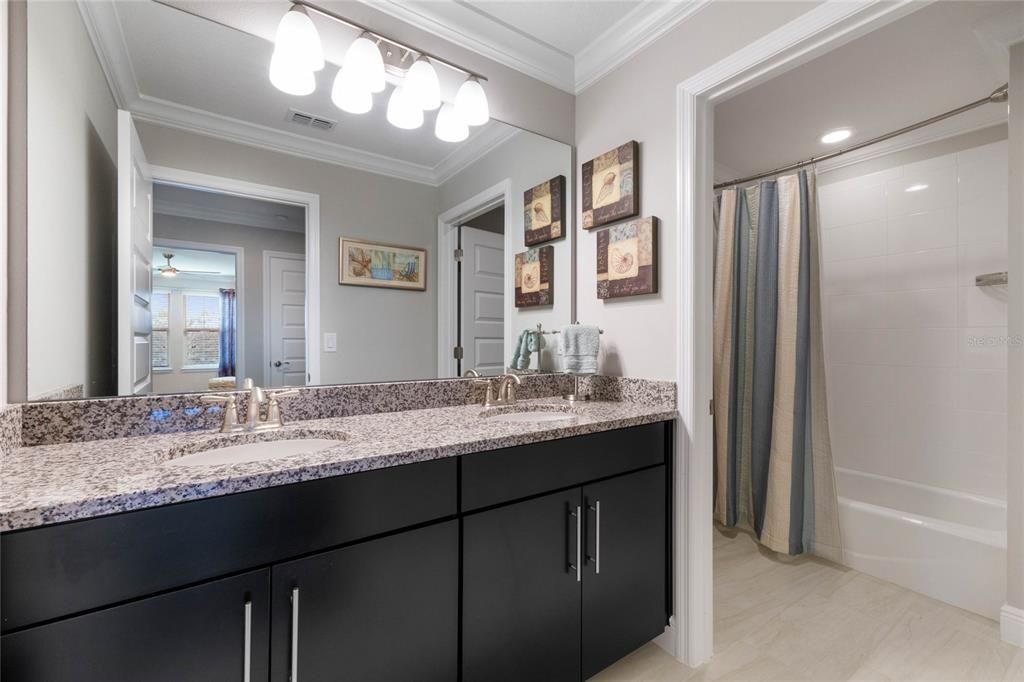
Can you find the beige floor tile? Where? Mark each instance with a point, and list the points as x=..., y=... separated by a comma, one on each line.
x=778, y=618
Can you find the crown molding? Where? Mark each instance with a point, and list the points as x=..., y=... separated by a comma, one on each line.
x=462, y=157
x=642, y=26
x=104, y=28
x=182, y=209
x=462, y=25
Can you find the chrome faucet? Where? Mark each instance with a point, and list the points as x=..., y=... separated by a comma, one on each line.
x=257, y=396
x=506, y=390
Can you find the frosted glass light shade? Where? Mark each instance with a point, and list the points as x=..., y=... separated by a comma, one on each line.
x=422, y=84
x=403, y=112
x=471, y=103
x=297, y=40
x=449, y=127
x=364, y=64
x=348, y=96
x=289, y=77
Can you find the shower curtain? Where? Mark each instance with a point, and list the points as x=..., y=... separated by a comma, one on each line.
x=773, y=459
x=226, y=366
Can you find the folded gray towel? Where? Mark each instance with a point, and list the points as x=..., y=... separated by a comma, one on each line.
x=578, y=345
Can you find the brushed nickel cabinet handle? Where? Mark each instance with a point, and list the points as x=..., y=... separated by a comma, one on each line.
x=596, y=508
x=578, y=566
x=247, y=653
x=294, y=677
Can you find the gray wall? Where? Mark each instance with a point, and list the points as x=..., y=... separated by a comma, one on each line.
x=1015, y=410
x=527, y=160
x=72, y=208
x=254, y=240
x=637, y=101
x=383, y=334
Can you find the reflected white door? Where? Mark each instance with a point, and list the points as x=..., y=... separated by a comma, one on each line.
x=134, y=261
x=482, y=308
x=286, y=319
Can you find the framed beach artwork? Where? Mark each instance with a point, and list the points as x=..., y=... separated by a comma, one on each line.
x=627, y=259
x=544, y=211
x=611, y=186
x=371, y=264
x=534, y=277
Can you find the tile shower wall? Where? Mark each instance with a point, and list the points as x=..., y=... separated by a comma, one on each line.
x=915, y=352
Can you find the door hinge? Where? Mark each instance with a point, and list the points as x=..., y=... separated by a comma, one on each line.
x=711, y=407
x=459, y=254
x=457, y=352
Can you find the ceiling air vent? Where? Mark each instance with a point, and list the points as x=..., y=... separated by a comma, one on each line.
x=310, y=121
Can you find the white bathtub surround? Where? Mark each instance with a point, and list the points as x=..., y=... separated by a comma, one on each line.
x=945, y=544
x=916, y=357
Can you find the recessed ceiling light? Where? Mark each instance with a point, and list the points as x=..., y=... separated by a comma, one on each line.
x=916, y=188
x=834, y=136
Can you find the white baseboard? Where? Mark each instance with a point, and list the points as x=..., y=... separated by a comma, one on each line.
x=1011, y=625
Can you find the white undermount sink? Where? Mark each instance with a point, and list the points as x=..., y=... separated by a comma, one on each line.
x=272, y=445
x=530, y=414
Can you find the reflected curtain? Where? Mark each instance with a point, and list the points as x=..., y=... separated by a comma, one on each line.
x=773, y=458
x=226, y=366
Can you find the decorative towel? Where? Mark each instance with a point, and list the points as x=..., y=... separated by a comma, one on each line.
x=578, y=345
x=529, y=342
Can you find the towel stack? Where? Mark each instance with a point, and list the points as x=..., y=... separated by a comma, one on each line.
x=578, y=345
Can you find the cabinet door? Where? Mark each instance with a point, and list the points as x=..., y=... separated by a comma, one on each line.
x=386, y=609
x=216, y=631
x=521, y=591
x=624, y=583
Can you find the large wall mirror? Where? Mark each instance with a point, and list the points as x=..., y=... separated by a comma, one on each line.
x=189, y=224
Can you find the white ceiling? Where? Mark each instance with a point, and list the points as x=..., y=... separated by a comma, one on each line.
x=223, y=264
x=175, y=68
x=931, y=61
x=187, y=202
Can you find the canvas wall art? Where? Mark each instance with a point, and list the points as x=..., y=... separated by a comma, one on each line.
x=611, y=186
x=370, y=264
x=535, y=277
x=627, y=259
x=544, y=211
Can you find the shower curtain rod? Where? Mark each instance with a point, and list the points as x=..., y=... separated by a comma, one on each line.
x=999, y=95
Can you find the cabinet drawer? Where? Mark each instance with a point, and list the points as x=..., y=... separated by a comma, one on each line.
x=500, y=476
x=215, y=631
x=60, y=570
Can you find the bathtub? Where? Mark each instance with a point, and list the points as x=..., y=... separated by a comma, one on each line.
x=946, y=544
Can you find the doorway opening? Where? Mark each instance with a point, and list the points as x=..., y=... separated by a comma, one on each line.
x=480, y=322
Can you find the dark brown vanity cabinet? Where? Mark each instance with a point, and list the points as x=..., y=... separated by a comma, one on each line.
x=545, y=561
x=561, y=586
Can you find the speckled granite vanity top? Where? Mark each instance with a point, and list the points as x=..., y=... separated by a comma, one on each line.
x=48, y=484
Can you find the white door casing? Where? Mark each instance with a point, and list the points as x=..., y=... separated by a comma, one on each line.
x=284, y=304
x=482, y=305
x=134, y=261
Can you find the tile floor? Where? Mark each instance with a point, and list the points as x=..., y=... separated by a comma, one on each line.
x=808, y=619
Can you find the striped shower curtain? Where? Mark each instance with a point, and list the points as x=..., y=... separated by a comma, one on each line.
x=773, y=460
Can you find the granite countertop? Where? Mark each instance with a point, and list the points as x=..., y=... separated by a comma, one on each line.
x=48, y=484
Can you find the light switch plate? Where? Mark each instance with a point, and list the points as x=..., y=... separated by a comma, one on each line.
x=330, y=342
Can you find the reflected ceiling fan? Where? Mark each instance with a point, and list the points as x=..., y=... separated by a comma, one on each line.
x=171, y=271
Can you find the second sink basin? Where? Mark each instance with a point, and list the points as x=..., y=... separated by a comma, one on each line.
x=254, y=447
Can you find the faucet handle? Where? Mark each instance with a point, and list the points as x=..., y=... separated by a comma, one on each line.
x=281, y=393
x=219, y=398
x=230, y=420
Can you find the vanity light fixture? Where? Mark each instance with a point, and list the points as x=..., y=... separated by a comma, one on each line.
x=403, y=111
x=836, y=136
x=298, y=54
x=916, y=188
x=423, y=86
x=471, y=103
x=449, y=127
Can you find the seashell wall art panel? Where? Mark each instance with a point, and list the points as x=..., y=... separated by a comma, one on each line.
x=535, y=277
x=627, y=259
x=611, y=186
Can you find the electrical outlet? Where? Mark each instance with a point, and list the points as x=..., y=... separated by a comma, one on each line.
x=330, y=342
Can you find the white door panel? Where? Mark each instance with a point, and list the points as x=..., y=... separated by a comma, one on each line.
x=483, y=301
x=135, y=260
x=286, y=306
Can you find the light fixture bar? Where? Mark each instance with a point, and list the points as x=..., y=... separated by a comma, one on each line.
x=387, y=39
